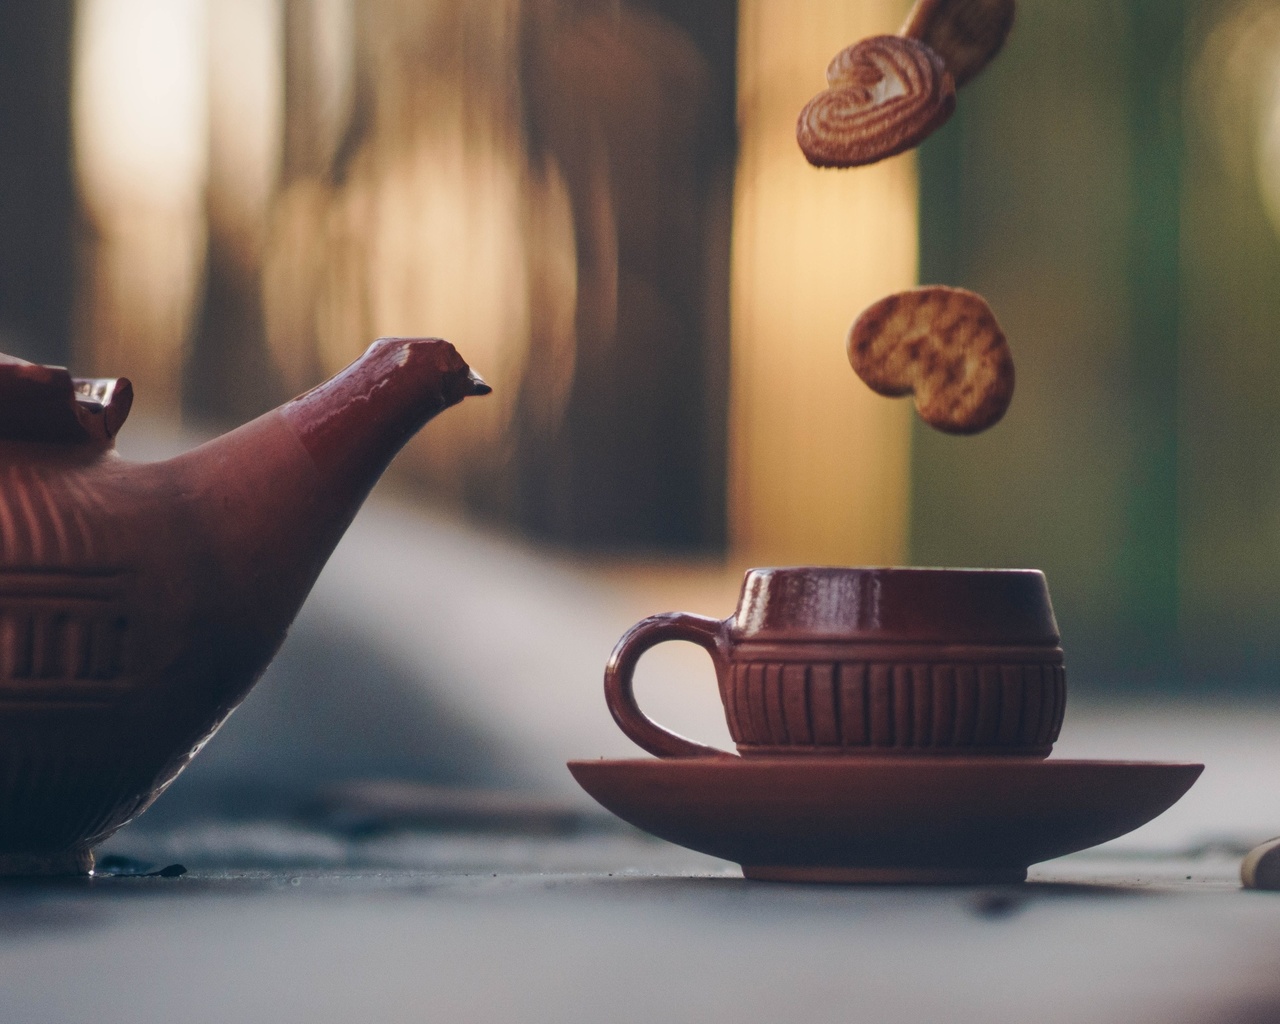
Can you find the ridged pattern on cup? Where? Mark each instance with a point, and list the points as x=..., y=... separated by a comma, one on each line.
x=871, y=706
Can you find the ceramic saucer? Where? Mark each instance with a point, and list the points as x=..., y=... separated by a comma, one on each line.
x=890, y=820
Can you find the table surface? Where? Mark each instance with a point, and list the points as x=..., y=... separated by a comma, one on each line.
x=607, y=925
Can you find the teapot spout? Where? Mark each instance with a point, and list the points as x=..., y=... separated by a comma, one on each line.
x=353, y=424
x=273, y=497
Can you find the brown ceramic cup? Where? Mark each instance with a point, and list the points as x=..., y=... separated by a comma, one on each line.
x=868, y=662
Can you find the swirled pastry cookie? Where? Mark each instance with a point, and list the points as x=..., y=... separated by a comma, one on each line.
x=944, y=346
x=966, y=34
x=886, y=94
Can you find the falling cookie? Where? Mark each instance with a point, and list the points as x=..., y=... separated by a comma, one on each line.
x=966, y=34
x=945, y=346
x=886, y=95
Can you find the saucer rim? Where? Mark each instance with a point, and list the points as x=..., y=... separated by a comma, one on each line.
x=740, y=799
x=847, y=761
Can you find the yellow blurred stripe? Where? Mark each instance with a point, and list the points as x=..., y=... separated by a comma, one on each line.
x=818, y=464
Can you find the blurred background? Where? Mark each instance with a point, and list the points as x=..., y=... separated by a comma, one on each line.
x=602, y=204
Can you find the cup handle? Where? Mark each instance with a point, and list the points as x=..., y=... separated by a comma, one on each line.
x=618, y=692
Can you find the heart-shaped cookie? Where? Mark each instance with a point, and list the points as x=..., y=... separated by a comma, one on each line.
x=943, y=344
x=886, y=95
x=966, y=34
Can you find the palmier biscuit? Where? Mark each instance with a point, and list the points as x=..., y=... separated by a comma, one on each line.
x=966, y=34
x=886, y=95
x=945, y=346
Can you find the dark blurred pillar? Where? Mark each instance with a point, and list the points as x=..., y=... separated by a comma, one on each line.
x=635, y=102
x=37, y=197
x=229, y=375
x=713, y=26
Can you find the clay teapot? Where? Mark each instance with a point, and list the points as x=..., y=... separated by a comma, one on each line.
x=140, y=602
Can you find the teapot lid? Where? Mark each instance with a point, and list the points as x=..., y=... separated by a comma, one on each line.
x=45, y=403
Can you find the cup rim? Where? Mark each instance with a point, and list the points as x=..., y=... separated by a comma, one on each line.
x=895, y=604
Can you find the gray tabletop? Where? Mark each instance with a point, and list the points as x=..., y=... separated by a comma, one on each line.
x=609, y=926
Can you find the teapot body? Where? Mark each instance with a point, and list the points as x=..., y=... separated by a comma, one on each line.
x=139, y=603
x=90, y=614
